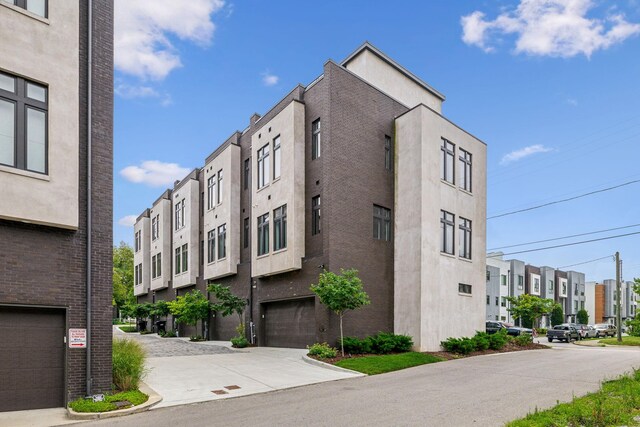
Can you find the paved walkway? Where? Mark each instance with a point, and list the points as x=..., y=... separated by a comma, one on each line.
x=170, y=347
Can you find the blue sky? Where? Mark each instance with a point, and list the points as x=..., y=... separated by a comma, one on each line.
x=552, y=87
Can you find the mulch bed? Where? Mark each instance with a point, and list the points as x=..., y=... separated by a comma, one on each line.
x=508, y=348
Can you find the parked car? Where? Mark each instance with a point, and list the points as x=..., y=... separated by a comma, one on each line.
x=562, y=333
x=585, y=331
x=494, y=326
x=606, y=329
x=516, y=330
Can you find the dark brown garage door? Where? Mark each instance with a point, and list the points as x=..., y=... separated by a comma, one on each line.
x=290, y=323
x=31, y=358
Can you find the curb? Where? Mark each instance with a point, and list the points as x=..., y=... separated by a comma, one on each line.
x=154, y=399
x=320, y=364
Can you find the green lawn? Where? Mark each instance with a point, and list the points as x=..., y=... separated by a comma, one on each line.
x=372, y=365
x=625, y=341
x=128, y=328
x=135, y=397
x=615, y=404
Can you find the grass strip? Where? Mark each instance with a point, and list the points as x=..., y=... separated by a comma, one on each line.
x=617, y=403
x=128, y=328
x=625, y=341
x=136, y=397
x=372, y=365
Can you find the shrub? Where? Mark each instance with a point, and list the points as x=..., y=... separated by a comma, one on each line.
x=498, y=340
x=481, y=341
x=239, y=342
x=323, y=351
x=403, y=343
x=523, y=340
x=354, y=345
x=145, y=332
x=542, y=331
x=463, y=345
x=169, y=334
x=128, y=364
x=196, y=338
x=381, y=343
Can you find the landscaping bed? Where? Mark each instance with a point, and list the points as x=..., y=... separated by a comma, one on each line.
x=111, y=402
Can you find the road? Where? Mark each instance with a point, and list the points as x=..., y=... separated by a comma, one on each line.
x=478, y=391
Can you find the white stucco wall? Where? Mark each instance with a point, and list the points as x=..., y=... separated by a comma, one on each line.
x=162, y=244
x=590, y=300
x=427, y=304
x=189, y=233
x=226, y=212
x=288, y=189
x=143, y=255
x=45, y=51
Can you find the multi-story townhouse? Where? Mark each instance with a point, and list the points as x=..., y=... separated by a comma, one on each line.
x=605, y=301
x=56, y=109
x=590, y=302
x=160, y=254
x=576, y=296
x=499, y=287
x=630, y=298
x=359, y=169
x=517, y=277
x=141, y=254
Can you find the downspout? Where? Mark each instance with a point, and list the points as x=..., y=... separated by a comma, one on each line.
x=89, y=176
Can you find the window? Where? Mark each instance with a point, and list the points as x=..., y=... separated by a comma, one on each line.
x=247, y=172
x=446, y=167
x=159, y=264
x=464, y=288
x=185, y=257
x=550, y=285
x=277, y=157
x=220, y=193
x=520, y=282
x=263, y=234
x=316, y=143
x=446, y=225
x=153, y=267
x=465, y=170
x=180, y=214
x=381, y=223
x=536, y=285
x=202, y=250
x=503, y=279
x=155, y=227
x=39, y=7
x=280, y=228
x=222, y=241
x=315, y=215
x=465, y=241
x=503, y=302
x=211, y=192
x=488, y=300
x=137, y=243
x=497, y=300
x=23, y=124
x=388, y=156
x=564, y=288
x=575, y=305
x=178, y=263
x=246, y=233
x=138, y=274
x=263, y=166
x=211, y=246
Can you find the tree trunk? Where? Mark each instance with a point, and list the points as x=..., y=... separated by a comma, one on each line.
x=341, y=336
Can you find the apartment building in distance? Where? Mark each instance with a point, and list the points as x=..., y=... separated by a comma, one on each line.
x=56, y=117
x=606, y=301
x=359, y=169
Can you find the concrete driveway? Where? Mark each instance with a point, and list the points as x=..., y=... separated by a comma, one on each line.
x=185, y=372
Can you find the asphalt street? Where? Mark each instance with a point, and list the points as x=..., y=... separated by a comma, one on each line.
x=478, y=391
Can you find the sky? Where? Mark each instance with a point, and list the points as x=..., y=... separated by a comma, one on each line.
x=551, y=86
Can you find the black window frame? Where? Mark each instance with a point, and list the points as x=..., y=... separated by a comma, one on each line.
x=465, y=159
x=316, y=139
x=388, y=153
x=22, y=103
x=448, y=150
x=316, y=215
x=247, y=172
x=222, y=241
x=280, y=228
x=211, y=246
x=185, y=257
x=464, y=288
x=446, y=224
x=520, y=282
x=178, y=260
x=153, y=267
x=465, y=240
x=211, y=192
x=381, y=223
x=22, y=4
x=219, y=190
x=247, y=231
x=277, y=157
x=263, y=234
x=263, y=174
x=159, y=265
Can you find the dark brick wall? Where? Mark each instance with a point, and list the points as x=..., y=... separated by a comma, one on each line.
x=47, y=266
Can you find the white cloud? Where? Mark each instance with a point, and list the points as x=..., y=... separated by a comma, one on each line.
x=558, y=28
x=127, y=221
x=573, y=102
x=269, y=79
x=129, y=92
x=155, y=173
x=142, y=28
x=524, y=152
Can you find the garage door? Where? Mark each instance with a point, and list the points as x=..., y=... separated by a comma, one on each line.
x=290, y=323
x=31, y=358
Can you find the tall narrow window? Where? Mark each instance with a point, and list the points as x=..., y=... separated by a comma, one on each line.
x=263, y=166
x=277, y=157
x=316, y=142
x=263, y=234
x=536, y=285
x=159, y=264
x=388, y=156
x=520, y=282
x=154, y=228
x=465, y=243
x=247, y=173
x=182, y=211
x=23, y=124
x=381, y=223
x=446, y=227
x=246, y=232
x=211, y=246
x=177, y=216
x=222, y=241
x=550, y=285
x=180, y=208
x=178, y=263
x=465, y=170
x=280, y=228
x=446, y=163
x=211, y=191
x=153, y=267
x=315, y=215
x=220, y=192
x=137, y=241
x=503, y=279
x=185, y=257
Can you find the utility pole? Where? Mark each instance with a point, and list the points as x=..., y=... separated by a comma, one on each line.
x=618, y=298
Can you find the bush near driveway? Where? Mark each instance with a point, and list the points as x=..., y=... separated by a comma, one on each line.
x=134, y=397
x=128, y=364
x=381, y=343
x=372, y=365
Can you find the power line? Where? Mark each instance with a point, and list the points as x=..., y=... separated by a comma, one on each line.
x=567, y=244
x=585, y=262
x=565, y=200
x=565, y=237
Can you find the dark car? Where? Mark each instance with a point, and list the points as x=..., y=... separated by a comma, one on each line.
x=493, y=327
x=562, y=333
x=515, y=331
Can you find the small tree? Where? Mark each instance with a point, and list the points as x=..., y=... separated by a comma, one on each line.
x=190, y=308
x=341, y=292
x=582, y=316
x=228, y=304
x=557, y=315
x=529, y=308
x=140, y=312
x=160, y=309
